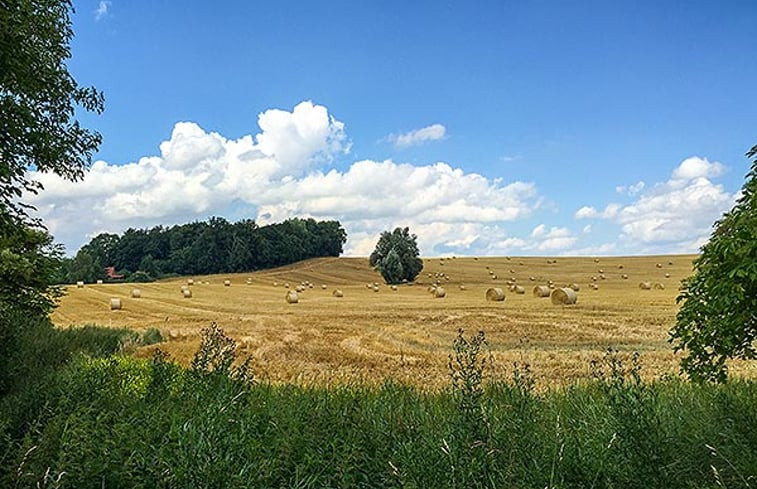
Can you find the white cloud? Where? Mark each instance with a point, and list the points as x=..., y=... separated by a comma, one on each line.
x=102, y=9
x=631, y=189
x=673, y=216
x=284, y=172
x=429, y=133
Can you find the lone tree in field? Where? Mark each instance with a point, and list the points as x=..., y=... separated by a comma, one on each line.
x=718, y=316
x=396, y=256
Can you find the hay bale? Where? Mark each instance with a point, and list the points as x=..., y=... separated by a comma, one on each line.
x=475, y=258
x=531, y=278
x=670, y=263
x=667, y=275
x=375, y=288
x=596, y=260
x=394, y=288
x=594, y=286
x=541, y=291
x=99, y=282
x=291, y=297
x=136, y=293
x=462, y=287
x=659, y=265
x=645, y=285
x=519, y=289
x=624, y=276
x=512, y=271
x=324, y=286
x=600, y=271
x=494, y=277
x=512, y=287
x=190, y=281
x=115, y=304
x=310, y=286
x=658, y=286
x=440, y=292
x=620, y=267
x=593, y=279
x=602, y=276
x=495, y=294
x=79, y=284
x=575, y=287
x=275, y=284
x=286, y=285
x=186, y=293
x=564, y=296
x=227, y=283
x=337, y=293
x=300, y=288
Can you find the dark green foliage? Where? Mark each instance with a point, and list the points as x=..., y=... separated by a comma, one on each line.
x=151, y=337
x=38, y=99
x=396, y=256
x=199, y=248
x=718, y=315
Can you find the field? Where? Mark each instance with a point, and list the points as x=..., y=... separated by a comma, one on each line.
x=367, y=337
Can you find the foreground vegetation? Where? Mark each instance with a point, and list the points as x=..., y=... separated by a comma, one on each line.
x=102, y=420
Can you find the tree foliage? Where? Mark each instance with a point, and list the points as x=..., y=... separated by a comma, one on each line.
x=718, y=316
x=396, y=256
x=38, y=131
x=38, y=99
x=201, y=248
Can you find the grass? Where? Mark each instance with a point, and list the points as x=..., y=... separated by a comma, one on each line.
x=125, y=422
x=404, y=336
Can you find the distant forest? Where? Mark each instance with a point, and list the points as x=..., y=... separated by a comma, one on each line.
x=199, y=248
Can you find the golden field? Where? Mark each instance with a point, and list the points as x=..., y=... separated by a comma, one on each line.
x=407, y=334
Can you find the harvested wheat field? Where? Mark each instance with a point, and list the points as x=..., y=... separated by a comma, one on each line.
x=406, y=335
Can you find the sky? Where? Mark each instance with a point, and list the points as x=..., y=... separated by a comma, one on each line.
x=489, y=128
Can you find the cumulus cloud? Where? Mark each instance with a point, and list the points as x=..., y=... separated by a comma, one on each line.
x=102, y=9
x=282, y=172
x=672, y=216
x=429, y=133
x=631, y=189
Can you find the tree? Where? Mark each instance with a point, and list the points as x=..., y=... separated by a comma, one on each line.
x=38, y=98
x=396, y=256
x=718, y=316
x=38, y=130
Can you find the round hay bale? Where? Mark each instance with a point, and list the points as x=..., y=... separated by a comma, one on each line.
x=659, y=265
x=507, y=258
x=115, y=304
x=667, y=275
x=375, y=284
x=324, y=286
x=494, y=277
x=186, y=293
x=375, y=288
x=310, y=286
x=440, y=292
x=394, y=288
x=564, y=296
x=227, y=283
x=624, y=276
x=300, y=288
x=600, y=271
x=475, y=258
x=596, y=260
x=337, y=293
x=550, y=282
x=99, y=282
x=190, y=281
x=512, y=287
x=136, y=293
x=541, y=291
x=275, y=284
x=620, y=267
x=79, y=284
x=593, y=279
x=431, y=289
x=602, y=276
x=594, y=286
x=291, y=297
x=519, y=289
x=512, y=271
x=658, y=286
x=531, y=278
x=462, y=287
x=575, y=287
x=670, y=263
x=645, y=285
x=286, y=285
x=495, y=294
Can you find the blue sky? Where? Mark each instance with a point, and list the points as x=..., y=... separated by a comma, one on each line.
x=541, y=120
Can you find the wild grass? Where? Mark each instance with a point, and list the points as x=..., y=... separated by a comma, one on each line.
x=119, y=421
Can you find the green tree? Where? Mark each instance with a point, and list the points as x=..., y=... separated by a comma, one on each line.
x=718, y=316
x=38, y=99
x=402, y=245
x=38, y=131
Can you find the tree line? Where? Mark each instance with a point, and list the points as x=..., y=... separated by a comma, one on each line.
x=206, y=247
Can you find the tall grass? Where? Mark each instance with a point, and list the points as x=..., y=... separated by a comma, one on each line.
x=124, y=422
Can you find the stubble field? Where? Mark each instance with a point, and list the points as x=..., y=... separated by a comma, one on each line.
x=407, y=334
